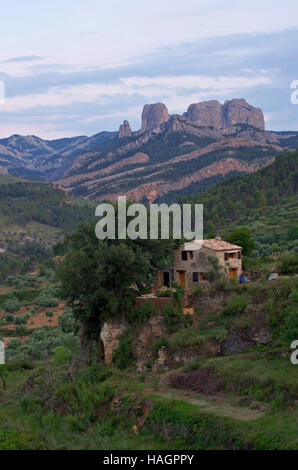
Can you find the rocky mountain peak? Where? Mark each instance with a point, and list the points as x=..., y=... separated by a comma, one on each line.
x=213, y=114
x=124, y=130
x=238, y=111
x=153, y=115
x=206, y=113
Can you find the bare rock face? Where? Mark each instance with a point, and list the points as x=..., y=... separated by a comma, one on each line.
x=206, y=114
x=124, y=130
x=110, y=335
x=238, y=111
x=234, y=112
x=153, y=115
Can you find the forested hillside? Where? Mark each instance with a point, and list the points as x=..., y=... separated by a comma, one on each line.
x=33, y=217
x=269, y=193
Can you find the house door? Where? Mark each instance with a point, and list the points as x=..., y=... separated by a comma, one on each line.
x=181, y=278
x=166, y=279
x=233, y=273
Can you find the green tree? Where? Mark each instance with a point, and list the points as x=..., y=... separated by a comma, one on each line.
x=100, y=279
x=241, y=236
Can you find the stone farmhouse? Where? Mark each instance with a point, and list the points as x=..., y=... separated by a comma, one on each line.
x=191, y=263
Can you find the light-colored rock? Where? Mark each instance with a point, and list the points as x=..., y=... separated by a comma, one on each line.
x=206, y=113
x=153, y=115
x=238, y=111
x=124, y=130
x=110, y=335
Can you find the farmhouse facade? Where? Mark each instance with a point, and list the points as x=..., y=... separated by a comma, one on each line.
x=191, y=262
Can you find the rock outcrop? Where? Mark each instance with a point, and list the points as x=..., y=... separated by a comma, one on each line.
x=110, y=335
x=153, y=115
x=206, y=113
x=124, y=130
x=236, y=111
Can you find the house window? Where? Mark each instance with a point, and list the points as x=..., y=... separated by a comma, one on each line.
x=202, y=277
x=190, y=254
x=230, y=256
x=195, y=277
x=184, y=255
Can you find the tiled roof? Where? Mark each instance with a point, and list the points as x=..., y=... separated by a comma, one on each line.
x=216, y=244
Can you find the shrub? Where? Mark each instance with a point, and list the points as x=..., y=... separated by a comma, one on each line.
x=46, y=300
x=288, y=264
x=67, y=322
x=186, y=338
x=172, y=317
x=11, y=305
x=145, y=311
x=122, y=356
x=235, y=306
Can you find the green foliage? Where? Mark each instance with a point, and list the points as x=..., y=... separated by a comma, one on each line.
x=46, y=299
x=97, y=276
x=185, y=428
x=141, y=314
x=165, y=293
x=173, y=317
x=190, y=338
x=13, y=440
x=67, y=322
x=12, y=305
x=288, y=331
x=242, y=237
x=122, y=356
x=40, y=344
x=215, y=273
x=235, y=306
x=288, y=264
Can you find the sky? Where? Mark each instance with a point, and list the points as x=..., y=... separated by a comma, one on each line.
x=78, y=67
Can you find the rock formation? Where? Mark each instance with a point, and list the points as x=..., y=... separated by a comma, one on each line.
x=236, y=111
x=206, y=113
x=124, y=130
x=153, y=115
x=110, y=335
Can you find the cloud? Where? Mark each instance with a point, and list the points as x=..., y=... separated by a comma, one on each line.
x=258, y=67
x=24, y=58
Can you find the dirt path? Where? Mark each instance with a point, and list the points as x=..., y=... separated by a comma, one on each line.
x=215, y=404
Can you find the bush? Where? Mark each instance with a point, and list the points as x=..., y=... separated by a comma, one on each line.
x=122, y=356
x=46, y=300
x=12, y=305
x=288, y=264
x=67, y=322
x=172, y=317
x=186, y=338
x=235, y=306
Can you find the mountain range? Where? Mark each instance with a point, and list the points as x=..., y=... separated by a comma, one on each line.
x=169, y=154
